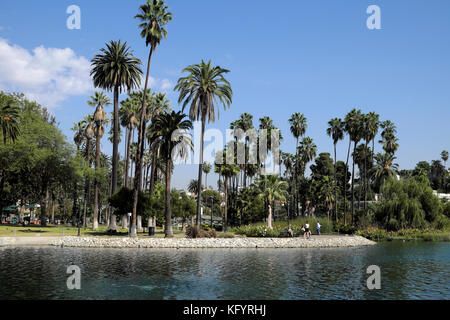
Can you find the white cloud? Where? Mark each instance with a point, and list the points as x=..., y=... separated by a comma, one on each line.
x=156, y=84
x=47, y=75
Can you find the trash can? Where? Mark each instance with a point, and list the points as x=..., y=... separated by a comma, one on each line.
x=151, y=231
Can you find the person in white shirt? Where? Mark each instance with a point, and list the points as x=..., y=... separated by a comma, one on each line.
x=307, y=231
x=318, y=228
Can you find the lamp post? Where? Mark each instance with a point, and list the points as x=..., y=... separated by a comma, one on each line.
x=78, y=221
x=129, y=223
x=212, y=198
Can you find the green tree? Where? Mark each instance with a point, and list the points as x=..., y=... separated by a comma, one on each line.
x=353, y=126
x=225, y=166
x=98, y=101
x=154, y=16
x=9, y=118
x=206, y=171
x=116, y=69
x=298, y=125
x=174, y=142
x=336, y=131
x=203, y=88
x=271, y=188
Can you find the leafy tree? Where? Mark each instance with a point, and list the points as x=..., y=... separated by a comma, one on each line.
x=9, y=117
x=98, y=101
x=298, y=125
x=174, y=142
x=407, y=204
x=226, y=169
x=354, y=128
x=116, y=69
x=154, y=16
x=336, y=131
x=271, y=188
x=203, y=88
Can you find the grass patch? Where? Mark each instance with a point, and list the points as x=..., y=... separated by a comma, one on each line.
x=376, y=234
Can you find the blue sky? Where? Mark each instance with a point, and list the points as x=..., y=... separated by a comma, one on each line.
x=313, y=57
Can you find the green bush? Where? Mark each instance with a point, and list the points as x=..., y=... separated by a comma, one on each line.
x=407, y=204
x=344, y=228
x=447, y=209
x=195, y=233
x=373, y=233
x=442, y=222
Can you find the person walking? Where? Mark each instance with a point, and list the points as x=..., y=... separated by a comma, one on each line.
x=307, y=230
x=318, y=228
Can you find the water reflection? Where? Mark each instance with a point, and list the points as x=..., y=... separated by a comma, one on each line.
x=408, y=270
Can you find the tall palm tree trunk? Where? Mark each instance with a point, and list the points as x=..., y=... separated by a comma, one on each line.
x=225, y=216
x=88, y=185
x=168, y=225
x=345, y=182
x=353, y=184
x=115, y=158
x=97, y=165
x=269, y=216
x=296, y=179
x=200, y=173
x=140, y=150
x=127, y=161
x=366, y=183
x=335, y=182
x=153, y=173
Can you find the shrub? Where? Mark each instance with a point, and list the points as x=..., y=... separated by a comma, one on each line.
x=447, y=209
x=373, y=233
x=226, y=235
x=195, y=233
x=441, y=222
x=344, y=229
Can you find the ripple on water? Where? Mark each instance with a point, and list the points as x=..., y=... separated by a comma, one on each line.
x=409, y=271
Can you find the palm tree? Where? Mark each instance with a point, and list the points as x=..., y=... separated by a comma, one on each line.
x=9, y=119
x=78, y=137
x=353, y=126
x=174, y=142
x=244, y=123
x=204, y=88
x=271, y=188
x=444, y=157
x=371, y=125
x=98, y=100
x=298, y=128
x=384, y=168
x=116, y=69
x=336, y=131
x=89, y=134
x=390, y=143
x=154, y=16
x=193, y=187
x=128, y=114
x=308, y=150
x=226, y=169
x=206, y=171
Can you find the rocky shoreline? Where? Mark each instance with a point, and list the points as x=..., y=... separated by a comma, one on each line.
x=180, y=243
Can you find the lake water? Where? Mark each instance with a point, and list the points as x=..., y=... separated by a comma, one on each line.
x=409, y=270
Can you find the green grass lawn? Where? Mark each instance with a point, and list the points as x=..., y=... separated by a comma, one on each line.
x=58, y=231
